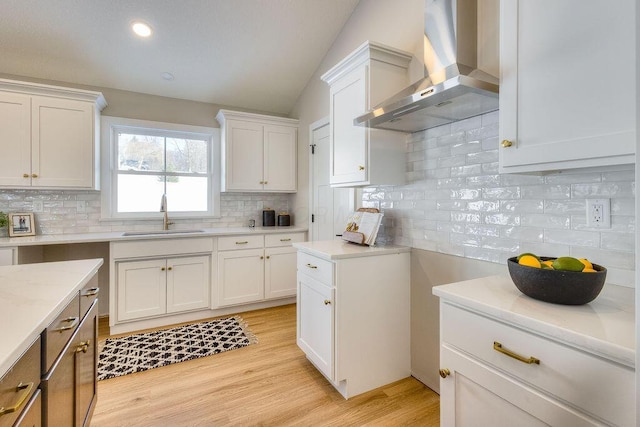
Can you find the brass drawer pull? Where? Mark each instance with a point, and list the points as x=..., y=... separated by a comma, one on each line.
x=529, y=360
x=83, y=346
x=26, y=391
x=91, y=292
x=312, y=266
x=242, y=243
x=285, y=240
x=506, y=143
x=73, y=321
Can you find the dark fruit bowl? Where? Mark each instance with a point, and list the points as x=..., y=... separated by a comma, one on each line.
x=555, y=286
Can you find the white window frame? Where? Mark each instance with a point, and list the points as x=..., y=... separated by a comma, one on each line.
x=109, y=129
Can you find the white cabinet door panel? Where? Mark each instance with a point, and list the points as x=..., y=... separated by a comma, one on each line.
x=15, y=139
x=280, y=150
x=240, y=276
x=141, y=289
x=280, y=272
x=187, y=283
x=244, y=156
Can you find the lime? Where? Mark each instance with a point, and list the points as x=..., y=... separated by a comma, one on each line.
x=568, y=263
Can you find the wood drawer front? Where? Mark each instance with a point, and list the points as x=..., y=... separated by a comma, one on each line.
x=26, y=373
x=316, y=268
x=229, y=243
x=275, y=240
x=594, y=385
x=32, y=415
x=88, y=294
x=57, y=334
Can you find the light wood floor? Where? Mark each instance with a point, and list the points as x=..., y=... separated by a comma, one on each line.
x=267, y=384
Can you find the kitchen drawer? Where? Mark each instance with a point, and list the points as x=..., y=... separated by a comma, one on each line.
x=32, y=414
x=240, y=242
x=88, y=294
x=57, y=334
x=590, y=383
x=19, y=384
x=276, y=240
x=316, y=268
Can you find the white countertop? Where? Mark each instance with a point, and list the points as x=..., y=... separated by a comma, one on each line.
x=605, y=326
x=339, y=249
x=31, y=296
x=55, y=239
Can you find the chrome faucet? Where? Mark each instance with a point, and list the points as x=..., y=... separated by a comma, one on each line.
x=163, y=208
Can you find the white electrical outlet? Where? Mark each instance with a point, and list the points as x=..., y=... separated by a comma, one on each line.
x=38, y=206
x=81, y=206
x=599, y=213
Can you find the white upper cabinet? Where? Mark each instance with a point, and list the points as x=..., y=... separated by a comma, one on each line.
x=361, y=156
x=259, y=153
x=567, y=87
x=49, y=136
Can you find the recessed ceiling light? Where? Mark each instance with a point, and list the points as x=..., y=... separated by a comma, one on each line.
x=167, y=76
x=141, y=28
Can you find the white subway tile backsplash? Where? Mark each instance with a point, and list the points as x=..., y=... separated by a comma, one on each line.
x=505, y=214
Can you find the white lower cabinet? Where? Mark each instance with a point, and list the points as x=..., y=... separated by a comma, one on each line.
x=161, y=286
x=353, y=313
x=495, y=373
x=253, y=268
x=155, y=278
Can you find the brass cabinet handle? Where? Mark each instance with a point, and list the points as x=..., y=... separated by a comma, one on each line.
x=268, y=256
x=73, y=321
x=162, y=269
x=312, y=266
x=170, y=268
x=83, y=347
x=285, y=240
x=528, y=360
x=444, y=373
x=506, y=143
x=25, y=175
x=266, y=182
x=327, y=302
x=261, y=182
x=261, y=257
x=242, y=243
x=91, y=292
x=360, y=168
x=26, y=391
x=34, y=175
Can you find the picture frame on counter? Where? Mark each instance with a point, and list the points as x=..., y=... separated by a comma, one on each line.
x=22, y=224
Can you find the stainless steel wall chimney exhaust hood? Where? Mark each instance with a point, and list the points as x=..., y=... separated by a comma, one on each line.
x=454, y=89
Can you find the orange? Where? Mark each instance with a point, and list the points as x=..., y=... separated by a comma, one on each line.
x=586, y=263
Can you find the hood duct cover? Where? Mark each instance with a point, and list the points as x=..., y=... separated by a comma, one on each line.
x=454, y=89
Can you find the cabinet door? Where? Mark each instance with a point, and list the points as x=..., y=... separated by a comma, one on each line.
x=475, y=394
x=567, y=97
x=86, y=354
x=315, y=314
x=244, y=145
x=15, y=137
x=280, y=272
x=141, y=289
x=280, y=158
x=240, y=276
x=63, y=143
x=349, y=143
x=188, y=283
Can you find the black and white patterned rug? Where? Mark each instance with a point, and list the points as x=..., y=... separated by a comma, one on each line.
x=139, y=352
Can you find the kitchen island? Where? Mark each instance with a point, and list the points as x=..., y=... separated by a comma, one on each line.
x=43, y=307
x=506, y=355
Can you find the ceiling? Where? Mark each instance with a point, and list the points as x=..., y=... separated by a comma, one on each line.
x=252, y=54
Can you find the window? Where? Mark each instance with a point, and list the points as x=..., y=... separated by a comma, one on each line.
x=149, y=159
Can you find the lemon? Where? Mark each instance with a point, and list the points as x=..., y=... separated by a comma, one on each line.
x=527, y=254
x=586, y=262
x=588, y=270
x=568, y=263
x=529, y=260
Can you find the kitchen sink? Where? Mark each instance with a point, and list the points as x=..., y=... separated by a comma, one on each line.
x=160, y=232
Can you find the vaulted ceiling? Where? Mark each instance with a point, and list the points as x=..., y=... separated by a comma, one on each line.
x=253, y=54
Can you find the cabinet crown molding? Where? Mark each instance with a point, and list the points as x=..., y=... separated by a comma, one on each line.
x=224, y=115
x=365, y=52
x=56, y=91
